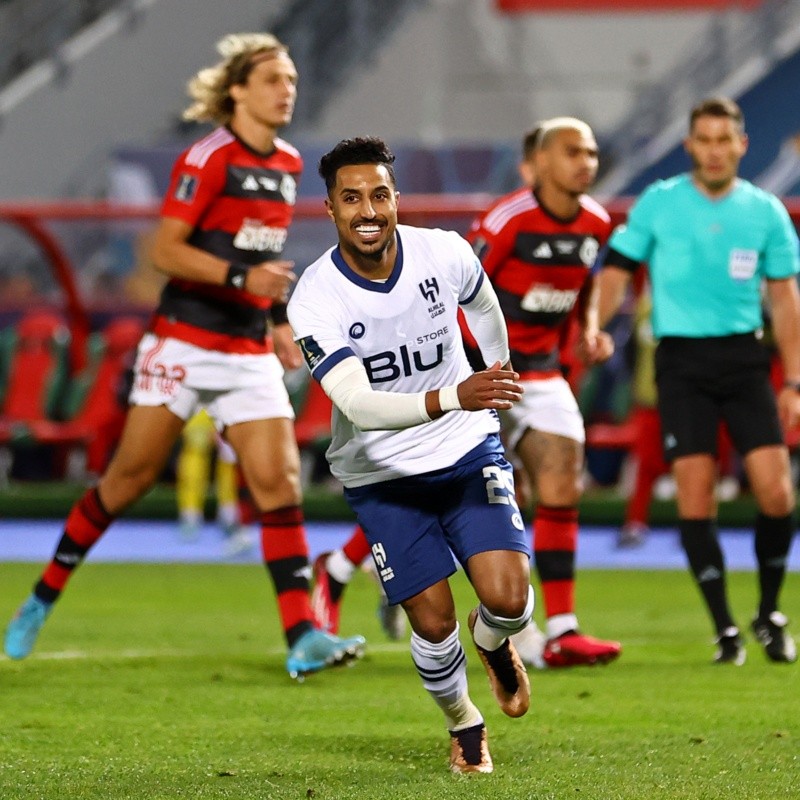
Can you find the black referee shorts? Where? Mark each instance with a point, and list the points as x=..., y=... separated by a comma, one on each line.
x=704, y=381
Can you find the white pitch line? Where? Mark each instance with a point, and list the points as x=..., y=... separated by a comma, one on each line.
x=133, y=655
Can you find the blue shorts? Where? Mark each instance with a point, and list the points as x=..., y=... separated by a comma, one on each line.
x=415, y=525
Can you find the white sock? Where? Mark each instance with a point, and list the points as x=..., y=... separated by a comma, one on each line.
x=559, y=624
x=443, y=669
x=339, y=566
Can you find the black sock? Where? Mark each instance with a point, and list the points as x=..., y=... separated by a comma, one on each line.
x=336, y=588
x=772, y=542
x=699, y=540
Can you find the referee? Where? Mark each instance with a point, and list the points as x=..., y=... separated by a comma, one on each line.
x=711, y=240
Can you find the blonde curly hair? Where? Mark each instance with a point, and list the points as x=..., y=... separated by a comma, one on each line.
x=210, y=87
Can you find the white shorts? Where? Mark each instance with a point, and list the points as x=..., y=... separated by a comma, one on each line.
x=547, y=405
x=232, y=387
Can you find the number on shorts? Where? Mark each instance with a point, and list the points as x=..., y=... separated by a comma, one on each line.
x=500, y=489
x=500, y=486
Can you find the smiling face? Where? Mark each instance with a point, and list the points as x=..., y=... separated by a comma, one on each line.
x=363, y=206
x=716, y=145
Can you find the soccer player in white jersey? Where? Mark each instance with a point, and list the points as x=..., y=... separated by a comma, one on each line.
x=415, y=431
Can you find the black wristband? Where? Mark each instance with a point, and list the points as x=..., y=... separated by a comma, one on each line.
x=278, y=313
x=237, y=275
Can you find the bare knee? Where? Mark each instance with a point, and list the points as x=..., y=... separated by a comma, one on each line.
x=777, y=500
x=435, y=630
x=502, y=581
x=432, y=613
x=508, y=605
x=276, y=490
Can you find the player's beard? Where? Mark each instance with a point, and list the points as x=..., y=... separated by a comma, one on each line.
x=372, y=256
x=369, y=255
x=387, y=230
x=571, y=189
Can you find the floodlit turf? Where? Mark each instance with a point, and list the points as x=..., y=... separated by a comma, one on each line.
x=167, y=681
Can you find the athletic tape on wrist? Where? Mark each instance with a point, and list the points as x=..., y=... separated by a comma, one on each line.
x=448, y=398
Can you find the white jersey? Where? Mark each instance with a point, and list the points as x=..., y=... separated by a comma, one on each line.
x=405, y=332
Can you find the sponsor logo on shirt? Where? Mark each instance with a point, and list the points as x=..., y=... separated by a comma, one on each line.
x=390, y=365
x=286, y=185
x=543, y=297
x=261, y=184
x=255, y=236
x=543, y=251
x=565, y=247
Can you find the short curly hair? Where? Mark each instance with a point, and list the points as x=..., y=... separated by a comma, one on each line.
x=361, y=150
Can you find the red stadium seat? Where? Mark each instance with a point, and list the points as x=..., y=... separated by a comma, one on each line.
x=38, y=397
x=36, y=373
x=94, y=408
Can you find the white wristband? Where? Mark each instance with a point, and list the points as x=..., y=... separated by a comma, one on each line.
x=448, y=398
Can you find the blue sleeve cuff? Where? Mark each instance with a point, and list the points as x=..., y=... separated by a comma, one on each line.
x=468, y=300
x=330, y=362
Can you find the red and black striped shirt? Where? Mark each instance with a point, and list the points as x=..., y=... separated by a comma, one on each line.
x=239, y=203
x=538, y=265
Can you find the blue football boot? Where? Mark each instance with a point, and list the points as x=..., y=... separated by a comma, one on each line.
x=23, y=630
x=315, y=650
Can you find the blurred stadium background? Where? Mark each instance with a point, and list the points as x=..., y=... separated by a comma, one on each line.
x=90, y=98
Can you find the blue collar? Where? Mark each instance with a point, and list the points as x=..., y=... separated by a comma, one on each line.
x=365, y=283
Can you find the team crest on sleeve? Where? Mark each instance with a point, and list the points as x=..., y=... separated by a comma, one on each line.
x=479, y=247
x=311, y=351
x=186, y=188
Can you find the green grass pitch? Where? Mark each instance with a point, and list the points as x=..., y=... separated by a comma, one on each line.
x=167, y=681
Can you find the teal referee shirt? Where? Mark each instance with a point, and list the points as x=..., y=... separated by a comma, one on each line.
x=708, y=257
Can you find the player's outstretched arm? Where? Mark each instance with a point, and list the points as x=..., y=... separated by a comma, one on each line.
x=348, y=387
x=494, y=387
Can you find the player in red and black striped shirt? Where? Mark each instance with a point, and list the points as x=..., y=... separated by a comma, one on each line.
x=210, y=343
x=538, y=245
